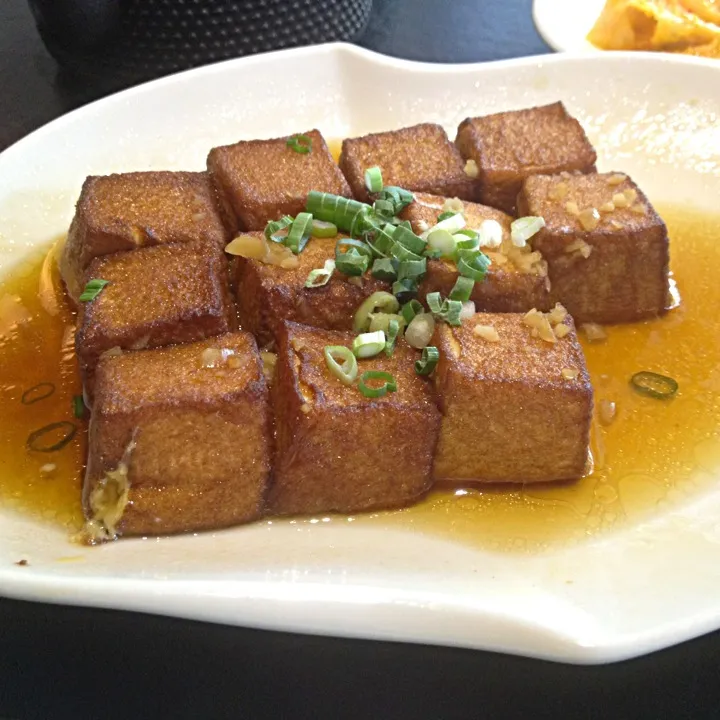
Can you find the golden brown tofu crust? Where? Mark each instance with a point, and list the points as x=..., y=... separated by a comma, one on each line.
x=202, y=435
x=155, y=296
x=505, y=288
x=509, y=414
x=131, y=210
x=268, y=295
x=419, y=158
x=510, y=146
x=337, y=450
x=263, y=180
x=625, y=276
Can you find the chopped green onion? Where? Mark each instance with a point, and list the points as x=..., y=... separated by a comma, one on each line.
x=383, y=240
x=300, y=144
x=348, y=370
x=320, y=276
x=409, y=240
x=369, y=344
x=443, y=242
x=466, y=242
x=654, y=385
x=452, y=224
x=490, y=234
x=299, y=232
x=445, y=215
x=340, y=211
x=362, y=247
x=412, y=269
x=462, y=290
x=404, y=290
x=379, y=301
x=411, y=309
x=401, y=253
x=389, y=384
x=351, y=262
x=92, y=289
x=420, y=330
x=37, y=392
x=373, y=180
x=447, y=310
x=381, y=321
x=78, y=406
x=37, y=439
x=426, y=364
x=522, y=229
x=473, y=264
x=391, y=201
x=384, y=269
x=391, y=335
x=275, y=226
x=322, y=229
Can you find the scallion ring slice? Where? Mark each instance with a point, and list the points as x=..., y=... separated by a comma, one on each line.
x=322, y=229
x=434, y=302
x=379, y=301
x=429, y=359
x=473, y=264
x=381, y=321
x=462, y=290
x=420, y=330
x=51, y=438
x=445, y=215
x=522, y=229
x=338, y=210
x=391, y=336
x=404, y=290
x=351, y=263
x=37, y=393
x=299, y=230
x=411, y=309
x=92, y=289
x=346, y=371
x=654, y=385
x=373, y=179
x=389, y=384
x=300, y=144
x=442, y=243
x=275, y=226
x=384, y=269
x=412, y=269
x=78, y=405
x=370, y=344
x=320, y=276
x=452, y=310
x=409, y=240
x=452, y=224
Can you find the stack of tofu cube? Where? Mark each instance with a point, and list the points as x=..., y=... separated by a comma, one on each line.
x=191, y=429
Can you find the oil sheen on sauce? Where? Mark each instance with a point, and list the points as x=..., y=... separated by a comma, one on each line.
x=653, y=454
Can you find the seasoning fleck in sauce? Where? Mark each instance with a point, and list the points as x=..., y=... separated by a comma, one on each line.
x=651, y=454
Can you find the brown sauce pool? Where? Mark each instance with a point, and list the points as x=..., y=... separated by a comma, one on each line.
x=654, y=453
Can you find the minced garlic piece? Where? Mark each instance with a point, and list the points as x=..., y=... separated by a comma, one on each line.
x=594, y=332
x=306, y=408
x=607, y=207
x=589, y=218
x=559, y=191
x=570, y=373
x=572, y=208
x=471, y=168
x=580, y=247
x=540, y=325
x=607, y=410
x=630, y=195
x=619, y=200
x=638, y=209
x=557, y=314
x=269, y=360
x=561, y=330
x=486, y=332
x=453, y=205
x=616, y=179
x=423, y=225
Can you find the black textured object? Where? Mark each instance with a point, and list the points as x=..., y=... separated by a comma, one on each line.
x=126, y=41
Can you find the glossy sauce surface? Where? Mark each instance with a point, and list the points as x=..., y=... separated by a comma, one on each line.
x=654, y=453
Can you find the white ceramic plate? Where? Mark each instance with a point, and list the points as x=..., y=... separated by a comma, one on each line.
x=564, y=24
x=651, y=585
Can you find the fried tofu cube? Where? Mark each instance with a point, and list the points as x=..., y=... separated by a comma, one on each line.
x=516, y=408
x=179, y=439
x=516, y=280
x=267, y=294
x=415, y=158
x=337, y=450
x=509, y=146
x=155, y=296
x=262, y=180
x=131, y=210
x=607, y=249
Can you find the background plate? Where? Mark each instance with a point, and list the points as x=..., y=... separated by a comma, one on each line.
x=651, y=585
x=564, y=24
